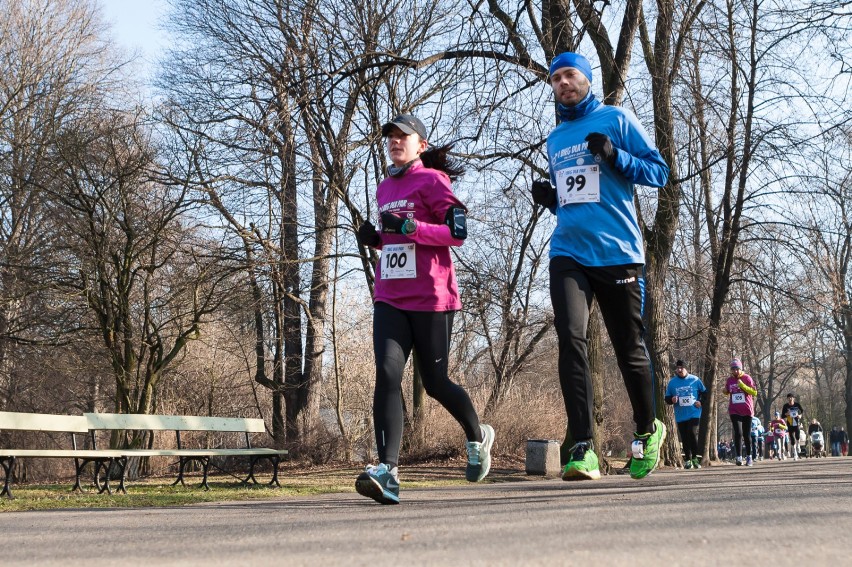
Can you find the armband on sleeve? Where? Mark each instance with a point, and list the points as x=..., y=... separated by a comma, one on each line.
x=456, y=220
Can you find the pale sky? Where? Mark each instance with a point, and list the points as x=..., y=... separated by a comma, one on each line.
x=136, y=25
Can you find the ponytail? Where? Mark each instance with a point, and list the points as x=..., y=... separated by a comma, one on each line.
x=438, y=158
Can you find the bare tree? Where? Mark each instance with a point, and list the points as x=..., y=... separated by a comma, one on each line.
x=53, y=64
x=144, y=274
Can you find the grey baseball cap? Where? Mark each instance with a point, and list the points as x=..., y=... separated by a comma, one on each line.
x=408, y=123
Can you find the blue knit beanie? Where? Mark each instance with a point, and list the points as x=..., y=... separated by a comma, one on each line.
x=575, y=60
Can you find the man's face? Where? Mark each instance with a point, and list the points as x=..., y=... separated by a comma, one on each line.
x=681, y=371
x=791, y=400
x=569, y=85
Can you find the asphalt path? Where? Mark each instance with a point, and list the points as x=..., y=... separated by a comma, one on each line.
x=788, y=513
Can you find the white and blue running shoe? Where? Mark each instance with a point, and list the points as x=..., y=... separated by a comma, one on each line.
x=479, y=455
x=379, y=483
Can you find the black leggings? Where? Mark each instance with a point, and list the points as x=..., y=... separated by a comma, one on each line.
x=620, y=291
x=688, y=431
x=742, y=434
x=395, y=332
x=793, y=432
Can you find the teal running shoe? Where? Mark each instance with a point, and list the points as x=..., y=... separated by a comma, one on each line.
x=379, y=483
x=479, y=455
x=645, y=451
x=583, y=463
x=687, y=464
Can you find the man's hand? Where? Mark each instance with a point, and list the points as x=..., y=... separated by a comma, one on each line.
x=543, y=193
x=367, y=234
x=601, y=146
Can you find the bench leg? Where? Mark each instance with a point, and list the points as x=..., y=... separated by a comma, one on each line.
x=7, y=463
x=106, y=487
x=181, y=464
x=205, y=461
x=274, y=459
x=122, y=462
x=79, y=465
x=252, y=461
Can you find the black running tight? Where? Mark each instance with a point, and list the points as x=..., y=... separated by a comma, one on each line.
x=688, y=431
x=395, y=332
x=742, y=434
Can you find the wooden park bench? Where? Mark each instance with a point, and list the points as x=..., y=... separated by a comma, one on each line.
x=182, y=423
x=48, y=423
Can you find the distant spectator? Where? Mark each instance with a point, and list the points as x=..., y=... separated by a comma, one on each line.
x=844, y=442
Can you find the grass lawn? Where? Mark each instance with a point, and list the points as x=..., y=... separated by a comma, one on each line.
x=295, y=481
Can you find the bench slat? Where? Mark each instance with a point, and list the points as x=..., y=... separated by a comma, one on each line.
x=173, y=422
x=43, y=422
x=62, y=453
x=200, y=452
x=115, y=453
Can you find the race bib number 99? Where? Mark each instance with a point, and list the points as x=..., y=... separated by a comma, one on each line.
x=578, y=184
x=399, y=261
x=738, y=398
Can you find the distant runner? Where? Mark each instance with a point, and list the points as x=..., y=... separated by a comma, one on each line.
x=686, y=393
x=779, y=432
x=793, y=414
x=741, y=391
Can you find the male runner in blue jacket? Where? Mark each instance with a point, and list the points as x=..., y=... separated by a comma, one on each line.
x=596, y=155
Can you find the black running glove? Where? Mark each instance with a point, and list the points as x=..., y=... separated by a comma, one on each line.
x=367, y=234
x=601, y=146
x=543, y=193
x=395, y=224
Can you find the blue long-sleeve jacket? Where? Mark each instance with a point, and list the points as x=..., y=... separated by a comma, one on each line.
x=606, y=232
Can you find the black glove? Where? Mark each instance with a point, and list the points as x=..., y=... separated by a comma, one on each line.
x=601, y=146
x=543, y=193
x=367, y=234
x=392, y=223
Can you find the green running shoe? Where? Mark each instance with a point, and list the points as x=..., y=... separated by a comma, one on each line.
x=479, y=455
x=646, y=451
x=583, y=464
x=696, y=463
x=379, y=483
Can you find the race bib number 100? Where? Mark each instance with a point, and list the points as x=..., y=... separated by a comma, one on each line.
x=579, y=184
x=399, y=261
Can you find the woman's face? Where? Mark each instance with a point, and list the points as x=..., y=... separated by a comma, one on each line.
x=402, y=147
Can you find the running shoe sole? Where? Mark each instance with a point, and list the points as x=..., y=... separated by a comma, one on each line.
x=577, y=474
x=371, y=488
